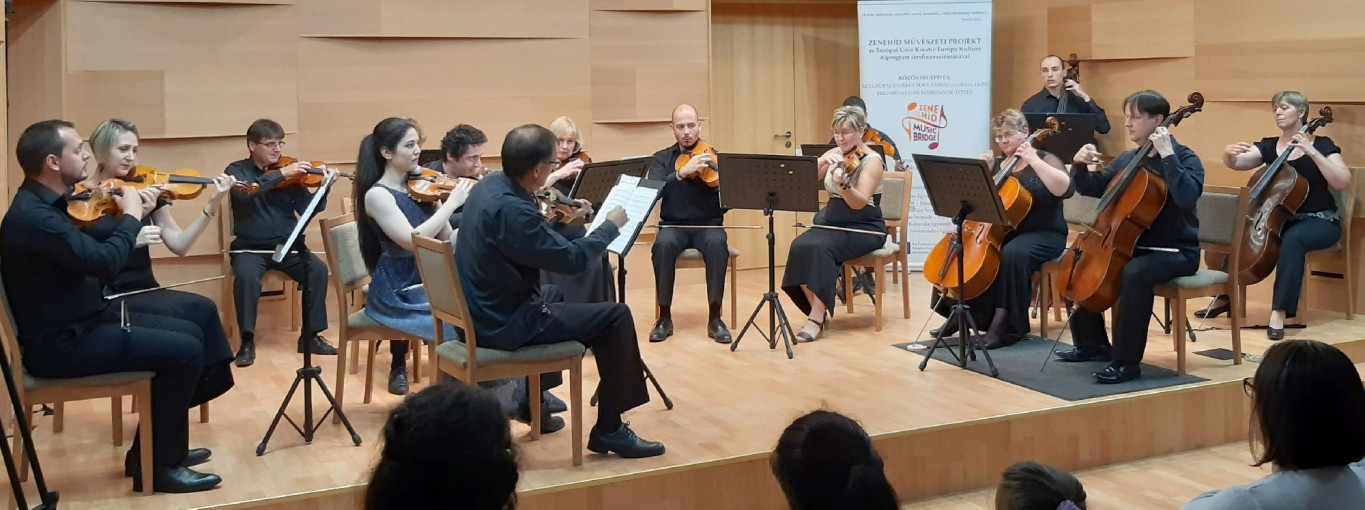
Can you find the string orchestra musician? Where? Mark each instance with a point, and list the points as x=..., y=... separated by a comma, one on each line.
x=1056, y=86
x=690, y=216
x=595, y=284
x=1316, y=223
x=863, y=278
x=503, y=246
x=461, y=157
x=261, y=222
x=53, y=275
x=852, y=174
x=1038, y=238
x=1167, y=249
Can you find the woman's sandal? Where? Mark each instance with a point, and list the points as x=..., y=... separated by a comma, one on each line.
x=802, y=337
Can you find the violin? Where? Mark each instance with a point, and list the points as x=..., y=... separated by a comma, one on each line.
x=982, y=242
x=311, y=177
x=1091, y=266
x=872, y=137
x=1073, y=73
x=87, y=205
x=178, y=184
x=555, y=206
x=710, y=175
x=1276, y=194
x=580, y=155
x=430, y=185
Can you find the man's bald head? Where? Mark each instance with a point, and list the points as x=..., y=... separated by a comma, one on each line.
x=683, y=112
x=686, y=126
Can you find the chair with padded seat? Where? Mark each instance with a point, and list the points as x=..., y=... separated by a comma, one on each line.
x=895, y=207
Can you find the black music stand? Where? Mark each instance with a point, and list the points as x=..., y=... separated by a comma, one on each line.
x=596, y=180
x=1076, y=130
x=769, y=183
x=961, y=189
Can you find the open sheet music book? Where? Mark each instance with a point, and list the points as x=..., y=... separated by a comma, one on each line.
x=637, y=196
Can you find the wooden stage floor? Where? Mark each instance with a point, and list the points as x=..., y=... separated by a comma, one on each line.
x=728, y=404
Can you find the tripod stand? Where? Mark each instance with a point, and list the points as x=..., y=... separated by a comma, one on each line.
x=21, y=424
x=777, y=318
x=966, y=325
x=307, y=375
x=621, y=291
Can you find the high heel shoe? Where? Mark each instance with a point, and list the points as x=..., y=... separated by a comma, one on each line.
x=1214, y=312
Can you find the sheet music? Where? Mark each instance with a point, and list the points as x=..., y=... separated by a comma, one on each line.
x=637, y=200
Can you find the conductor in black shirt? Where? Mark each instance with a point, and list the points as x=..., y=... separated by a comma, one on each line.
x=1055, y=85
x=688, y=201
x=261, y=222
x=53, y=274
x=502, y=248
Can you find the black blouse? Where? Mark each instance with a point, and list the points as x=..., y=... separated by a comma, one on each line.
x=1046, y=213
x=1319, y=191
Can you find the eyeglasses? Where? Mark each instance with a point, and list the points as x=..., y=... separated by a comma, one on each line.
x=554, y=163
x=1248, y=388
x=1007, y=136
x=272, y=145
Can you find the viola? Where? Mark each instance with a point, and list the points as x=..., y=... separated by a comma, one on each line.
x=555, y=206
x=430, y=185
x=982, y=242
x=709, y=175
x=581, y=156
x=311, y=177
x=178, y=184
x=1091, y=267
x=1073, y=73
x=872, y=137
x=87, y=205
x=1275, y=195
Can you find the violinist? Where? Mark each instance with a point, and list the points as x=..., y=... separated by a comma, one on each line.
x=1055, y=85
x=1167, y=249
x=388, y=217
x=852, y=174
x=1317, y=222
x=594, y=285
x=858, y=101
x=1040, y=237
x=690, y=204
x=54, y=274
x=569, y=152
x=461, y=157
x=862, y=278
x=261, y=222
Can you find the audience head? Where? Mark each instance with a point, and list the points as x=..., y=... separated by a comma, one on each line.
x=447, y=446
x=824, y=460
x=52, y=151
x=568, y=139
x=114, y=145
x=1308, y=407
x=1143, y=113
x=265, y=141
x=395, y=144
x=686, y=126
x=462, y=151
x=529, y=151
x=1034, y=486
x=1291, y=109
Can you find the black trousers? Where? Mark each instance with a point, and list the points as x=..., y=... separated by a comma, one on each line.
x=1140, y=276
x=1299, y=238
x=100, y=346
x=196, y=316
x=1021, y=256
x=249, y=268
x=815, y=260
x=671, y=242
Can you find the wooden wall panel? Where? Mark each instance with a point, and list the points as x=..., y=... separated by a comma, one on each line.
x=1123, y=30
x=443, y=18
x=649, y=5
x=827, y=71
x=1250, y=71
x=34, y=46
x=646, y=63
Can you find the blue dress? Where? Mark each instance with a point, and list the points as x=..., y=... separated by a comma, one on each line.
x=397, y=298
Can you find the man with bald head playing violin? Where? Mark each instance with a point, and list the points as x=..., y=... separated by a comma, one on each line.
x=261, y=222
x=689, y=217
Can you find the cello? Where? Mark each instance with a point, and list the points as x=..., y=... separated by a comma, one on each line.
x=1092, y=265
x=1275, y=195
x=1073, y=73
x=982, y=241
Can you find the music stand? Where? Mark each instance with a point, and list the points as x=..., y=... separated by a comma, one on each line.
x=596, y=180
x=429, y=155
x=769, y=183
x=961, y=189
x=1077, y=129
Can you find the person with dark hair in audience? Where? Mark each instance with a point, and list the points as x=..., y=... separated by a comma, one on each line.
x=447, y=446
x=53, y=278
x=461, y=156
x=261, y=222
x=1308, y=420
x=503, y=245
x=1034, y=486
x=825, y=461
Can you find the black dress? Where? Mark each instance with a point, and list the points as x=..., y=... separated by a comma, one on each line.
x=1040, y=237
x=189, y=313
x=817, y=254
x=595, y=285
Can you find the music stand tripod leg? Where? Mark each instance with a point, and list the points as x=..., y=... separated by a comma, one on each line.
x=777, y=318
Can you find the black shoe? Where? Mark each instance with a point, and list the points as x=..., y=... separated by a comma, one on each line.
x=178, y=480
x=553, y=403
x=398, y=380
x=1116, y=373
x=194, y=457
x=549, y=423
x=1078, y=354
x=1214, y=312
x=623, y=442
x=318, y=345
x=1001, y=341
x=717, y=330
x=662, y=330
x=947, y=329
x=1274, y=333
x=246, y=355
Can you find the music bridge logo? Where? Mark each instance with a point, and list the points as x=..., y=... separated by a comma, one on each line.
x=924, y=123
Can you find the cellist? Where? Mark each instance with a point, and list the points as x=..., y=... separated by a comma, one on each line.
x=1167, y=249
x=1040, y=237
x=1317, y=223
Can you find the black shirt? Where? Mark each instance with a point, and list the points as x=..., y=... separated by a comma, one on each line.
x=1319, y=191
x=1045, y=215
x=264, y=220
x=137, y=271
x=1176, y=226
x=1044, y=102
x=53, y=270
x=686, y=201
x=499, y=252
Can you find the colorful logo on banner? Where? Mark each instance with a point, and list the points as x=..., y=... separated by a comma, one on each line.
x=924, y=123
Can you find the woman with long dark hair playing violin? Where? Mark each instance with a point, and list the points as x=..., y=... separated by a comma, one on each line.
x=1316, y=224
x=852, y=174
x=1038, y=238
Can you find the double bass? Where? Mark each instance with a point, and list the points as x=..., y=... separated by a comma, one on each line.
x=1073, y=73
x=1092, y=266
x=1276, y=194
x=982, y=241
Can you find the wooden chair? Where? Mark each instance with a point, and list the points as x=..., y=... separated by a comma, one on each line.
x=341, y=240
x=1221, y=229
x=691, y=259
x=895, y=209
x=57, y=391
x=1080, y=212
x=1341, y=251
x=466, y=361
